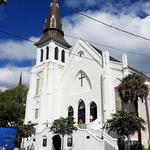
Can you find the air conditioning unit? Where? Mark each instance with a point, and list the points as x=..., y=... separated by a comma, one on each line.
x=3, y=2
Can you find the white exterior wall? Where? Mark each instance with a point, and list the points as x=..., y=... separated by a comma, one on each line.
x=85, y=143
x=49, y=72
x=77, y=144
x=60, y=88
x=37, y=142
x=71, y=92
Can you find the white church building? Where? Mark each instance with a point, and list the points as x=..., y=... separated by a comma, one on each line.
x=78, y=81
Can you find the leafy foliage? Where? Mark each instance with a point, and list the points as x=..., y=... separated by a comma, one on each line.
x=24, y=131
x=63, y=126
x=17, y=94
x=133, y=87
x=12, y=111
x=125, y=124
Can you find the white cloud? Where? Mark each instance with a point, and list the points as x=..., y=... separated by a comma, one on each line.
x=80, y=3
x=17, y=50
x=83, y=27
x=10, y=75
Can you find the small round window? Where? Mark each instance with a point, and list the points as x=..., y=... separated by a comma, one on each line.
x=80, y=55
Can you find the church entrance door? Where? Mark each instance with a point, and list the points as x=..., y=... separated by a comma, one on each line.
x=56, y=142
x=81, y=112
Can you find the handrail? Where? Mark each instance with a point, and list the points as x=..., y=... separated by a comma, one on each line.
x=107, y=138
x=89, y=132
x=38, y=134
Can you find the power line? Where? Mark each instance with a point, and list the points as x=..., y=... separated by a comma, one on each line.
x=108, y=25
x=77, y=38
x=74, y=37
x=98, y=61
x=16, y=36
x=111, y=47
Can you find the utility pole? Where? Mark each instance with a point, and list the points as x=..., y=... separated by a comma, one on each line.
x=3, y=2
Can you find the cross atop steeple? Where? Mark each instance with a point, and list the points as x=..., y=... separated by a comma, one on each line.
x=53, y=26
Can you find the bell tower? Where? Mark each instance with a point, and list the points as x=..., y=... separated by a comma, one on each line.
x=52, y=45
x=53, y=26
x=52, y=55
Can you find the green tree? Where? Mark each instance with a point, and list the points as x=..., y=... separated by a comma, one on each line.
x=124, y=125
x=131, y=89
x=12, y=111
x=63, y=126
x=23, y=131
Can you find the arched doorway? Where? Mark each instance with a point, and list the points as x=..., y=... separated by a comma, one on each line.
x=81, y=112
x=56, y=142
x=93, y=111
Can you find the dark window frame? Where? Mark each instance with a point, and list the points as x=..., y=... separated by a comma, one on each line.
x=56, y=55
x=47, y=52
x=93, y=110
x=41, y=58
x=44, y=141
x=70, y=112
x=63, y=56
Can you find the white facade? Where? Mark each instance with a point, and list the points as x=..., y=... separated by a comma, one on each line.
x=59, y=87
x=81, y=79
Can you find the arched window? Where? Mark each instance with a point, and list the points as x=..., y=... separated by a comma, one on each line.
x=93, y=111
x=47, y=52
x=81, y=112
x=56, y=53
x=70, y=112
x=53, y=22
x=69, y=141
x=36, y=113
x=41, y=55
x=63, y=56
x=44, y=141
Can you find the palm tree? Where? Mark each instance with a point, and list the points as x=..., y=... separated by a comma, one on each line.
x=124, y=125
x=131, y=89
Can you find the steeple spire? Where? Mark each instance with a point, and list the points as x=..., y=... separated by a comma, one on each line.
x=20, y=79
x=54, y=1
x=53, y=26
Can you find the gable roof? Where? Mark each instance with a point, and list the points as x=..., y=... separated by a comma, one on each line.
x=115, y=60
x=100, y=52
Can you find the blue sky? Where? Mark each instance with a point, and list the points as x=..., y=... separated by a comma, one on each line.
x=25, y=18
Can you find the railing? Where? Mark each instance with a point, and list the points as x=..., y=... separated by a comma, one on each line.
x=30, y=139
x=110, y=143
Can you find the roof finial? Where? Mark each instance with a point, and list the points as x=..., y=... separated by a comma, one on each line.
x=54, y=1
x=53, y=26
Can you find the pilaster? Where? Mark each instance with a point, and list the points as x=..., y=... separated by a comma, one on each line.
x=125, y=65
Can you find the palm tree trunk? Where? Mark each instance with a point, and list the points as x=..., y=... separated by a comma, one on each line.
x=148, y=122
x=121, y=145
x=128, y=143
x=139, y=132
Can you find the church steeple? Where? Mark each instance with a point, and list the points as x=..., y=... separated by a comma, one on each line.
x=53, y=26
